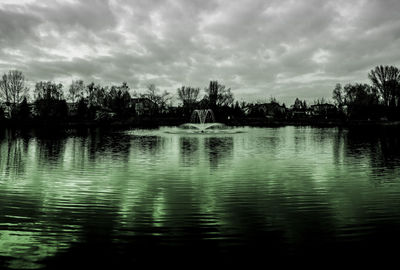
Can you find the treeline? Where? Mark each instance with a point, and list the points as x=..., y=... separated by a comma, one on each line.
x=380, y=99
x=52, y=102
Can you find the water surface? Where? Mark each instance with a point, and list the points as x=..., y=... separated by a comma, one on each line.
x=160, y=197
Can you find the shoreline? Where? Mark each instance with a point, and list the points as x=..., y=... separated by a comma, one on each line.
x=156, y=122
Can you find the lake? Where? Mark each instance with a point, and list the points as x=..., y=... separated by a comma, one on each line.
x=96, y=198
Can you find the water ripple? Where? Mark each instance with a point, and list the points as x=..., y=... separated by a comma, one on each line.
x=128, y=194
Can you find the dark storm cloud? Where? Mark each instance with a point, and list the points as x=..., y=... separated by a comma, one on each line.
x=259, y=48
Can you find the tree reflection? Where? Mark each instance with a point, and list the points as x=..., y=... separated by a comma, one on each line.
x=150, y=145
x=50, y=151
x=218, y=149
x=389, y=143
x=103, y=144
x=188, y=147
x=380, y=146
x=122, y=198
x=13, y=149
x=385, y=153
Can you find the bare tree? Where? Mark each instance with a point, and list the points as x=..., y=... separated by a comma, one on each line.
x=387, y=80
x=338, y=95
x=360, y=94
x=12, y=87
x=95, y=94
x=160, y=99
x=218, y=94
x=76, y=90
x=151, y=93
x=188, y=95
x=48, y=90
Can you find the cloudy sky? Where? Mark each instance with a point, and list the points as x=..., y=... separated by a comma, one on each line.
x=259, y=48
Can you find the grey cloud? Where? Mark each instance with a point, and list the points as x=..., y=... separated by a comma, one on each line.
x=16, y=26
x=93, y=15
x=259, y=48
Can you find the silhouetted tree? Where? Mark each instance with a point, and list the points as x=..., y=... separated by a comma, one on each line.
x=320, y=101
x=49, y=103
x=273, y=100
x=212, y=92
x=89, y=89
x=362, y=101
x=1, y=113
x=299, y=105
x=23, y=111
x=218, y=95
x=118, y=100
x=188, y=95
x=387, y=80
x=152, y=93
x=48, y=90
x=96, y=95
x=237, y=110
x=76, y=90
x=12, y=87
x=124, y=87
x=82, y=109
x=338, y=96
x=360, y=94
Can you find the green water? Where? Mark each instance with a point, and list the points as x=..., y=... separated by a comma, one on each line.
x=158, y=196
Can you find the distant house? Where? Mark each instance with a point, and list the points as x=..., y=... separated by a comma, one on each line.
x=325, y=110
x=143, y=106
x=300, y=114
x=268, y=110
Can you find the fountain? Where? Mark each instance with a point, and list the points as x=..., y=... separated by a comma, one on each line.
x=201, y=116
x=202, y=121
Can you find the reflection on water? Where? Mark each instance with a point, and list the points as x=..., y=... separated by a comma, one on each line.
x=189, y=151
x=218, y=149
x=262, y=194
